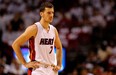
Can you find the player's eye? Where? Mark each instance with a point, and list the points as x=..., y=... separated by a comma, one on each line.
x=50, y=13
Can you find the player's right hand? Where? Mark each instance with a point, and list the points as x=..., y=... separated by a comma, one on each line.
x=32, y=64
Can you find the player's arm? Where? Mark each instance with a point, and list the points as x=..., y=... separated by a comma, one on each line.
x=29, y=32
x=58, y=49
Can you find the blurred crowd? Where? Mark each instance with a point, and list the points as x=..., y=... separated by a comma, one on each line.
x=87, y=29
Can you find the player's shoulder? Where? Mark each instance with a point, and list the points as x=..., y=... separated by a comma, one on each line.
x=32, y=30
x=52, y=26
x=32, y=27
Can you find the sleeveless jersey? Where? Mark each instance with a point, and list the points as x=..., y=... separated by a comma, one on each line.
x=44, y=45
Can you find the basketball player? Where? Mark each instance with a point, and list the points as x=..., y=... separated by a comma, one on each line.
x=42, y=37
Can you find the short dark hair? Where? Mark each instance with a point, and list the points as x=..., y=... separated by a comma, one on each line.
x=46, y=5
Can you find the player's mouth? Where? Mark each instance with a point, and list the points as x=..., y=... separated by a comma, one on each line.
x=50, y=18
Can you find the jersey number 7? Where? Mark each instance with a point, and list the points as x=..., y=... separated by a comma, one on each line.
x=51, y=49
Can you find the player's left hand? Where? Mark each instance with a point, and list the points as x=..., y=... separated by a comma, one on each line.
x=56, y=68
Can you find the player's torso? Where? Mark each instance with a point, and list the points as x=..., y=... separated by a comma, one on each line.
x=44, y=44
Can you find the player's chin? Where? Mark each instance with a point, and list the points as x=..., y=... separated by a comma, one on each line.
x=50, y=21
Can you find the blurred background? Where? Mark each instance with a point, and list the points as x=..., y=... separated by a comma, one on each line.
x=87, y=29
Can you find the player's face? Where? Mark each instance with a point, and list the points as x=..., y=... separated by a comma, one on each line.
x=48, y=14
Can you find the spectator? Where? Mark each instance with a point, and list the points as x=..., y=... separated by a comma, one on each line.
x=17, y=23
x=5, y=50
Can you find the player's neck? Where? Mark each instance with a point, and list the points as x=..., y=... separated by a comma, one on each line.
x=44, y=24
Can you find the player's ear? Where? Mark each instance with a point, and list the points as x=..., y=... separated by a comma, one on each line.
x=41, y=13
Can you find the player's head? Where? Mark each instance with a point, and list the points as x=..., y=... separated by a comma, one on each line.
x=47, y=12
